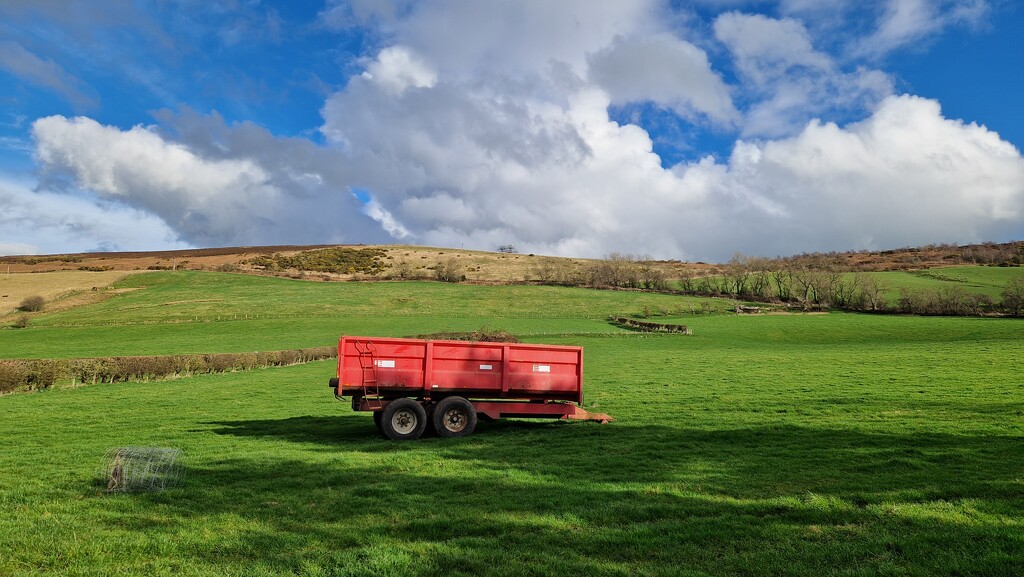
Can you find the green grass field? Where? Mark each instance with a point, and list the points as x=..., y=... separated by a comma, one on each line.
x=831, y=444
x=985, y=280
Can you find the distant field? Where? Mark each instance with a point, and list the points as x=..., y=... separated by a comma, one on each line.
x=985, y=280
x=190, y=312
x=830, y=444
x=64, y=287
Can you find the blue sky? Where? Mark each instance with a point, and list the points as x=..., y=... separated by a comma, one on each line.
x=688, y=130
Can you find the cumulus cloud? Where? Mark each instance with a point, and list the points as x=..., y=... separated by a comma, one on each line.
x=237, y=191
x=905, y=175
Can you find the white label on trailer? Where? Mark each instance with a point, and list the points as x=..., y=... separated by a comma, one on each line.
x=385, y=364
x=542, y=368
x=486, y=367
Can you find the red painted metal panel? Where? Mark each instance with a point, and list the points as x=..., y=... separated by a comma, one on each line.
x=419, y=368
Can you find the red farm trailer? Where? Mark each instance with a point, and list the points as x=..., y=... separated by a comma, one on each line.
x=412, y=384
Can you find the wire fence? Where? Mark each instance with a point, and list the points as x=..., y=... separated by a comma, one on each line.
x=141, y=469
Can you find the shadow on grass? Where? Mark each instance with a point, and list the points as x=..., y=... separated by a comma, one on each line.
x=582, y=498
x=858, y=466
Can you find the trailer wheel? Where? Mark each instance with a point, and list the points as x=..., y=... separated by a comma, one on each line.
x=454, y=417
x=403, y=420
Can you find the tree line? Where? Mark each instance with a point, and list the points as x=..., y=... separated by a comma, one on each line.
x=820, y=282
x=810, y=282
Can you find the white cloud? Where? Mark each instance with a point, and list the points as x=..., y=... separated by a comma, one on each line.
x=468, y=39
x=397, y=68
x=200, y=197
x=245, y=187
x=795, y=82
x=665, y=70
x=904, y=176
x=452, y=166
x=45, y=223
x=903, y=22
x=767, y=48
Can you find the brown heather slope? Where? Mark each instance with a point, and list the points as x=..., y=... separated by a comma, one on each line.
x=420, y=262
x=400, y=261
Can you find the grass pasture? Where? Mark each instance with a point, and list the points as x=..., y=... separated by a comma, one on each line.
x=985, y=280
x=833, y=444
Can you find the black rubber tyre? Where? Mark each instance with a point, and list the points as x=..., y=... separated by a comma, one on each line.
x=403, y=420
x=377, y=416
x=454, y=417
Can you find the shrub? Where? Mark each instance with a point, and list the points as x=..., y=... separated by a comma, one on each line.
x=12, y=376
x=339, y=260
x=32, y=304
x=21, y=322
x=402, y=270
x=449, y=270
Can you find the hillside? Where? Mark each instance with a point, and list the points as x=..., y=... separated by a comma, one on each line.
x=486, y=266
x=71, y=280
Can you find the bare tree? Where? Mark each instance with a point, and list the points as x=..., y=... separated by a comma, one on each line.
x=873, y=289
x=651, y=277
x=846, y=290
x=737, y=275
x=760, y=277
x=1013, y=296
x=686, y=280
x=616, y=270
x=782, y=277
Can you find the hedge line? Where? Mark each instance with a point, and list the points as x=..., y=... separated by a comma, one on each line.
x=35, y=374
x=482, y=335
x=651, y=327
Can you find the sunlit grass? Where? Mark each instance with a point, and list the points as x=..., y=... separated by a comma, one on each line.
x=762, y=445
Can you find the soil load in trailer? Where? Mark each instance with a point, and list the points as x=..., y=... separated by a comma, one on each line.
x=414, y=384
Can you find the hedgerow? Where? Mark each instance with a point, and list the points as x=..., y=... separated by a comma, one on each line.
x=38, y=374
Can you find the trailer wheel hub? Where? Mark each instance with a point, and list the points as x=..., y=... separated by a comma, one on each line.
x=455, y=419
x=403, y=421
